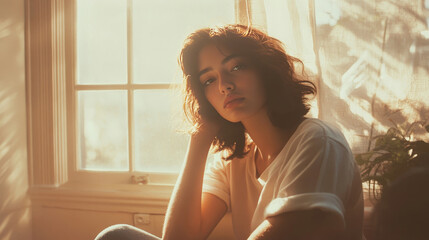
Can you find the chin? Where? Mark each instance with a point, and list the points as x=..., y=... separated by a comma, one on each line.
x=230, y=118
x=239, y=114
x=234, y=118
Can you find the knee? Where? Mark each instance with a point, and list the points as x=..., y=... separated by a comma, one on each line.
x=115, y=232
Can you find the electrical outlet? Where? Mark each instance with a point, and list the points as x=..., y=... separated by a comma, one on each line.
x=141, y=219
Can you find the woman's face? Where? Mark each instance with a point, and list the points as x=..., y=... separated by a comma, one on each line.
x=230, y=84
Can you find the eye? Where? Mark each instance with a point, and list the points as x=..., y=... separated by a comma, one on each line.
x=208, y=81
x=238, y=67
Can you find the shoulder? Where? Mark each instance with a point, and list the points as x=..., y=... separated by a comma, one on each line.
x=316, y=130
x=220, y=162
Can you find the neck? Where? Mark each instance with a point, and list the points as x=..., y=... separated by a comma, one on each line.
x=269, y=139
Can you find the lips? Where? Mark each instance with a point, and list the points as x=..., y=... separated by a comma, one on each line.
x=232, y=99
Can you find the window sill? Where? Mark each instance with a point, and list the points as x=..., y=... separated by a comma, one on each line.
x=151, y=199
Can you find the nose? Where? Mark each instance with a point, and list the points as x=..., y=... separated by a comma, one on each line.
x=226, y=85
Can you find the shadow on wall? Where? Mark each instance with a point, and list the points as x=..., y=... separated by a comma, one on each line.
x=15, y=217
x=374, y=61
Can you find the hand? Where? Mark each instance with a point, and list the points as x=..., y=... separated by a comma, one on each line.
x=207, y=131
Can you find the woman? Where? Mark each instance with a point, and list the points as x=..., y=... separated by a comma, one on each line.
x=281, y=175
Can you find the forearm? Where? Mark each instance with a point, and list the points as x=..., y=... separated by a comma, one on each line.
x=183, y=215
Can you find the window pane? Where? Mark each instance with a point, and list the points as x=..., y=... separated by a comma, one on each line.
x=158, y=145
x=101, y=42
x=159, y=28
x=102, y=130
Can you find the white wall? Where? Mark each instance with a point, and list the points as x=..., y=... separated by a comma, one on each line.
x=15, y=211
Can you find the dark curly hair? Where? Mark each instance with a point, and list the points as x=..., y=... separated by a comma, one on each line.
x=286, y=90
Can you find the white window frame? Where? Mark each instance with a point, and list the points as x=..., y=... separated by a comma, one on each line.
x=50, y=76
x=108, y=178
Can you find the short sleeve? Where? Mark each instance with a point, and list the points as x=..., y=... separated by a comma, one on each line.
x=216, y=180
x=318, y=175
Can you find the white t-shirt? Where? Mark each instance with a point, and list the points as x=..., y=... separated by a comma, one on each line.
x=314, y=170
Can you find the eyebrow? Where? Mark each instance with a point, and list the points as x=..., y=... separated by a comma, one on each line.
x=225, y=60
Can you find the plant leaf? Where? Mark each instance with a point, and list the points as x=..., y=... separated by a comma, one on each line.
x=418, y=147
x=363, y=158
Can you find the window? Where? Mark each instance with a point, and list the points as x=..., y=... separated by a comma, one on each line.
x=66, y=134
x=127, y=107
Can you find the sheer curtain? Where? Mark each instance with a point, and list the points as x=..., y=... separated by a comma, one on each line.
x=369, y=59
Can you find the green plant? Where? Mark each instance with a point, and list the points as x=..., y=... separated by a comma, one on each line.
x=392, y=154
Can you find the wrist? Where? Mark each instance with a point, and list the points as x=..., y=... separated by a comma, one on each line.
x=202, y=140
x=203, y=137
